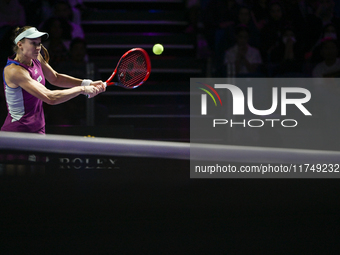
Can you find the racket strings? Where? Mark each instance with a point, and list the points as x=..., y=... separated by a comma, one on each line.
x=132, y=69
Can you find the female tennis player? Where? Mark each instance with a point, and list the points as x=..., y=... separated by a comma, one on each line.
x=24, y=83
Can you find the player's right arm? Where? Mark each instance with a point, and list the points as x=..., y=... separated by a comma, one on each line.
x=64, y=80
x=16, y=76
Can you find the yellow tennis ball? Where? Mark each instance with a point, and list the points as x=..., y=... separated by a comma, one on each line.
x=157, y=49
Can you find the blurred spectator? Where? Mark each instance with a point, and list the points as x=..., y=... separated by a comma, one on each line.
x=77, y=64
x=260, y=13
x=219, y=19
x=287, y=56
x=59, y=39
x=244, y=57
x=219, y=14
x=330, y=66
x=325, y=12
x=304, y=22
x=11, y=14
x=297, y=9
x=245, y=17
x=271, y=34
x=226, y=37
x=62, y=9
x=193, y=9
x=330, y=31
x=77, y=8
x=34, y=11
x=47, y=9
x=314, y=55
x=301, y=16
x=323, y=15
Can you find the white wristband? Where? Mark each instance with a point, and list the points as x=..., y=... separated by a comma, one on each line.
x=86, y=82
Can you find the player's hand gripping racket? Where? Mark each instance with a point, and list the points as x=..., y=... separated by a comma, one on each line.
x=132, y=70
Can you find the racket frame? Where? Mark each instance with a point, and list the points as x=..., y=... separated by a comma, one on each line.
x=148, y=64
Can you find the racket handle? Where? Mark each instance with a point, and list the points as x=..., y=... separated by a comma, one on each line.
x=88, y=96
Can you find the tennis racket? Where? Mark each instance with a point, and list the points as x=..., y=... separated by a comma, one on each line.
x=132, y=70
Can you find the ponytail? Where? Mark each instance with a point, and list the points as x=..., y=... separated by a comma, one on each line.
x=45, y=53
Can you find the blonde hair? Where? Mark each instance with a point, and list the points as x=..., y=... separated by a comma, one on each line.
x=18, y=31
